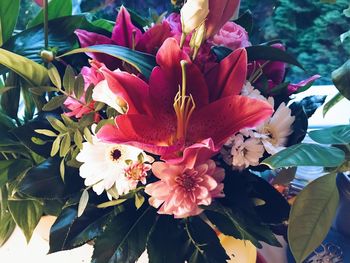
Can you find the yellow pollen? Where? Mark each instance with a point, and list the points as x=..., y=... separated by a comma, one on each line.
x=184, y=106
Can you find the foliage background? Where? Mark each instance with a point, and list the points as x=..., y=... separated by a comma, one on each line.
x=309, y=28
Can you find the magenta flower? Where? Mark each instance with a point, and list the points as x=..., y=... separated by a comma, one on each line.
x=158, y=119
x=185, y=186
x=127, y=35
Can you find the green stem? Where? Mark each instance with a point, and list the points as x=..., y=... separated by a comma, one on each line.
x=46, y=23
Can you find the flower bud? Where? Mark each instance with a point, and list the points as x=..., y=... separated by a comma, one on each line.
x=197, y=39
x=193, y=14
x=47, y=56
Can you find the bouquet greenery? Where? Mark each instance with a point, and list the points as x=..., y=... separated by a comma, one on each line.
x=148, y=133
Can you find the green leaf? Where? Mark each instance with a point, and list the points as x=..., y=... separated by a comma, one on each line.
x=11, y=169
x=144, y=63
x=39, y=180
x=62, y=169
x=139, y=200
x=57, y=8
x=88, y=93
x=46, y=132
x=128, y=229
x=57, y=125
x=31, y=71
x=41, y=90
x=9, y=10
x=65, y=145
x=7, y=226
x=55, y=76
x=306, y=155
x=331, y=103
x=55, y=103
x=341, y=79
x=333, y=135
x=26, y=214
x=105, y=24
x=206, y=244
x=69, y=79
x=84, y=199
x=311, y=216
x=55, y=146
x=112, y=203
x=10, y=100
x=285, y=176
x=169, y=248
x=88, y=135
x=79, y=86
x=29, y=102
x=78, y=139
x=260, y=53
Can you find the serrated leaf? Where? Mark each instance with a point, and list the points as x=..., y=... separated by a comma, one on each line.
x=311, y=216
x=55, y=76
x=55, y=146
x=57, y=125
x=332, y=102
x=54, y=103
x=306, y=155
x=26, y=214
x=88, y=135
x=69, y=79
x=84, y=199
x=46, y=132
x=79, y=86
x=65, y=145
x=78, y=139
x=333, y=135
x=62, y=169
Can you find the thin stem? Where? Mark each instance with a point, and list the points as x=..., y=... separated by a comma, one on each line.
x=5, y=156
x=46, y=23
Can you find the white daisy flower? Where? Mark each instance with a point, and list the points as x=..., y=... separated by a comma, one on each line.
x=104, y=165
x=244, y=152
x=275, y=131
x=249, y=91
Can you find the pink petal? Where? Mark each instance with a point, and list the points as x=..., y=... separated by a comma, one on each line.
x=223, y=118
x=124, y=30
x=229, y=76
x=295, y=87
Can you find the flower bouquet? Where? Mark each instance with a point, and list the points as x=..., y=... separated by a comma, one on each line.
x=154, y=134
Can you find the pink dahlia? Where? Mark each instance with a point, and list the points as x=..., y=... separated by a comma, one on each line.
x=183, y=188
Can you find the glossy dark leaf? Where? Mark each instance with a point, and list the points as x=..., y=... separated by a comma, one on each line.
x=143, y=62
x=206, y=245
x=333, y=135
x=246, y=21
x=39, y=180
x=8, y=17
x=300, y=124
x=125, y=237
x=11, y=169
x=169, y=248
x=10, y=99
x=311, y=104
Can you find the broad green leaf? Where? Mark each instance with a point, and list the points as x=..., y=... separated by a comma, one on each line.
x=55, y=103
x=341, y=79
x=8, y=17
x=333, y=135
x=88, y=135
x=57, y=8
x=306, y=155
x=31, y=71
x=311, y=216
x=331, y=103
x=55, y=76
x=11, y=169
x=105, y=24
x=26, y=214
x=169, y=248
x=84, y=199
x=128, y=229
x=260, y=53
x=69, y=79
x=144, y=63
x=7, y=226
x=39, y=180
x=206, y=245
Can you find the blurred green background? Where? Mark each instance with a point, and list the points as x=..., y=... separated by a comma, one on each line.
x=309, y=28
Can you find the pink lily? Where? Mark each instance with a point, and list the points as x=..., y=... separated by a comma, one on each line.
x=127, y=35
x=165, y=120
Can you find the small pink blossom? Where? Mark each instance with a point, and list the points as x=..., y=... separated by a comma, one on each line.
x=137, y=172
x=231, y=35
x=183, y=188
x=91, y=75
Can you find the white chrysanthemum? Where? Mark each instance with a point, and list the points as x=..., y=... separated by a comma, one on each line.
x=249, y=91
x=104, y=94
x=275, y=131
x=244, y=152
x=104, y=165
